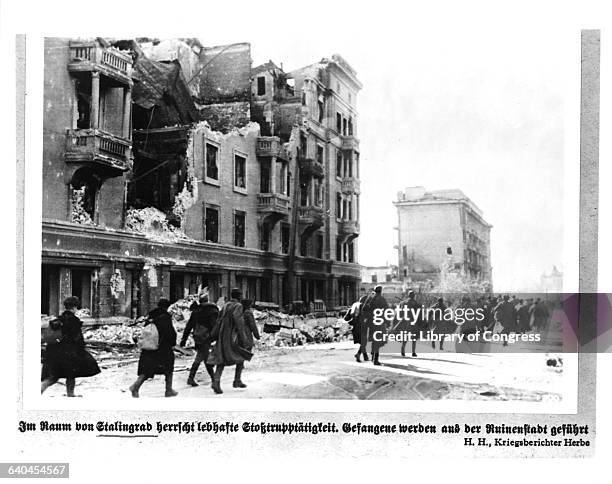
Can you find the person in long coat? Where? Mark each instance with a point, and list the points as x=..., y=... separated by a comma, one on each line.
x=413, y=327
x=441, y=326
x=505, y=314
x=231, y=342
x=161, y=360
x=202, y=320
x=374, y=301
x=67, y=358
x=354, y=317
x=250, y=327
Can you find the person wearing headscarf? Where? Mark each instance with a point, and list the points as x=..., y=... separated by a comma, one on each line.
x=66, y=357
x=161, y=360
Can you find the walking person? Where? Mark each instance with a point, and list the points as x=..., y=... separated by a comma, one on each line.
x=354, y=317
x=66, y=357
x=505, y=314
x=440, y=325
x=231, y=342
x=414, y=325
x=374, y=301
x=201, y=322
x=158, y=361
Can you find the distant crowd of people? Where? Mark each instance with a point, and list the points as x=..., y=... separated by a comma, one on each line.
x=222, y=337
x=512, y=314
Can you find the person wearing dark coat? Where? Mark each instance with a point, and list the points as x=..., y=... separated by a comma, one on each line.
x=505, y=314
x=374, y=301
x=354, y=317
x=524, y=317
x=67, y=358
x=201, y=322
x=250, y=327
x=441, y=326
x=231, y=342
x=413, y=327
x=161, y=360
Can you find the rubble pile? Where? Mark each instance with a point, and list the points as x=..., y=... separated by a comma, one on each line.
x=123, y=334
x=153, y=223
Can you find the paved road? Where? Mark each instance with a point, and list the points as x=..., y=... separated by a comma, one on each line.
x=329, y=371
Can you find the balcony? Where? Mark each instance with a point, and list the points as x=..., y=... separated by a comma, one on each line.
x=311, y=216
x=272, y=203
x=91, y=56
x=350, y=143
x=268, y=146
x=310, y=167
x=349, y=228
x=350, y=186
x=95, y=146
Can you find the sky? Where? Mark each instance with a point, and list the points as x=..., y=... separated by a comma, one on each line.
x=481, y=110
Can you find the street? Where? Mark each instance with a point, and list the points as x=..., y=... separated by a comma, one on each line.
x=329, y=371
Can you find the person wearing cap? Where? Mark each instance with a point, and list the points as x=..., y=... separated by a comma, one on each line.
x=231, y=342
x=161, y=360
x=67, y=358
x=203, y=317
x=375, y=301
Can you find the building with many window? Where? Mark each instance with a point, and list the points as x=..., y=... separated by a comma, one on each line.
x=170, y=167
x=441, y=230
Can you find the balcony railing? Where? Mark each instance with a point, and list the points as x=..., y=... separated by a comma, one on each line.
x=85, y=56
x=272, y=203
x=90, y=145
x=308, y=167
x=349, y=227
x=349, y=143
x=311, y=215
x=350, y=185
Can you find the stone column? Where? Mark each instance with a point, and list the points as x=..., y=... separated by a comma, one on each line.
x=313, y=190
x=273, y=174
x=127, y=112
x=95, y=100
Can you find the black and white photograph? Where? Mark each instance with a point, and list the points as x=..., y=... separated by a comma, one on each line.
x=315, y=225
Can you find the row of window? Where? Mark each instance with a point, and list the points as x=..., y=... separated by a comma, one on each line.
x=312, y=246
x=212, y=166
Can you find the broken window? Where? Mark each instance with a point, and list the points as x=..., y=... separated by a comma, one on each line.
x=338, y=122
x=261, y=86
x=319, y=246
x=81, y=279
x=374, y=278
x=285, y=235
x=344, y=127
x=264, y=177
x=350, y=210
x=239, y=171
x=239, y=228
x=288, y=183
x=350, y=126
x=84, y=186
x=351, y=252
x=319, y=154
x=211, y=224
x=338, y=205
x=303, y=146
x=304, y=246
x=50, y=283
x=212, y=170
x=338, y=249
x=339, y=164
x=266, y=235
x=321, y=106
x=83, y=95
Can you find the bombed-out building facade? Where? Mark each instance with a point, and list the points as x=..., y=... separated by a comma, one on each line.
x=441, y=232
x=170, y=167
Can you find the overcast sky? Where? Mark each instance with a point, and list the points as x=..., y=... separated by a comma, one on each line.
x=477, y=110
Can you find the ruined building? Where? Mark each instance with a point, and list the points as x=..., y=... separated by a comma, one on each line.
x=169, y=167
x=441, y=231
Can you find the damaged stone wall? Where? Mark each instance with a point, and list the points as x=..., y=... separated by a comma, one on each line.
x=225, y=74
x=226, y=116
